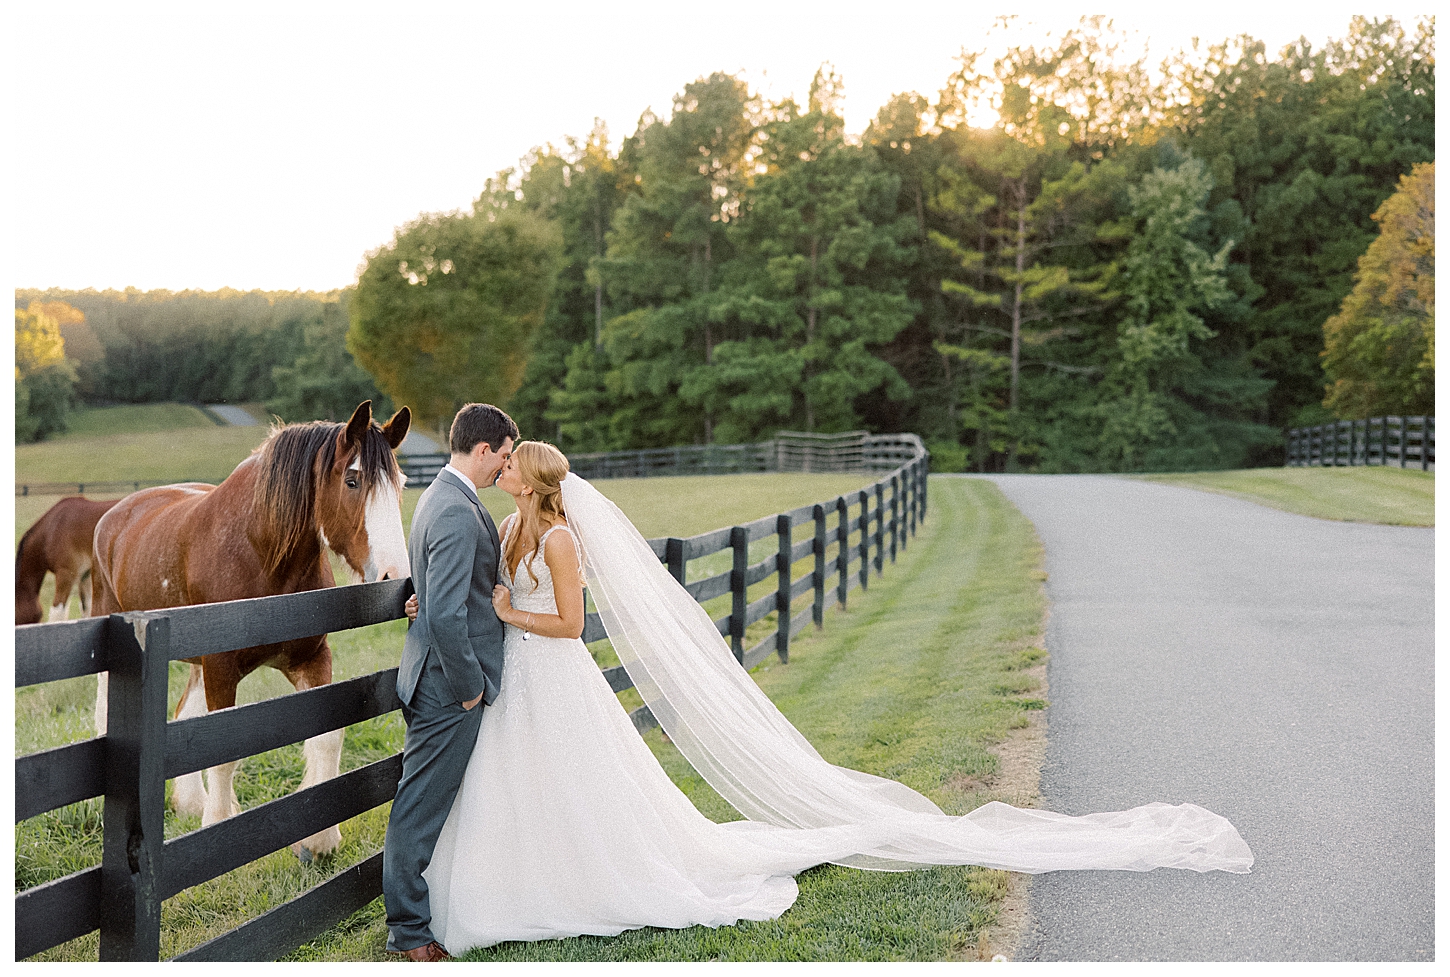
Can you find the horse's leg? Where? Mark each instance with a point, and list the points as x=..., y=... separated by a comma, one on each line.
x=188, y=793
x=101, y=701
x=65, y=582
x=220, y=678
x=322, y=753
x=106, y=603
x=86, y=585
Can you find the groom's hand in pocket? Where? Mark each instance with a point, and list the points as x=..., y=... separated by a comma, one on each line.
x=472, y=702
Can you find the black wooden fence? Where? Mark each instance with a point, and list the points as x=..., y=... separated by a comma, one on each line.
x=788, y=451
x=1404, y=442
x=129, y=766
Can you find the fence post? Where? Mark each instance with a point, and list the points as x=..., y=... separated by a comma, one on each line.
x=675, y=558
x=782, y=592
x=880, y=529
x=911, y=489
x=1428, y=445
x=921, y=472
x=843, y=553
x=896, y=526
x=135, y=799
x=740, y=553
x=818, y=612
x=1402, y=440
x=864, y=543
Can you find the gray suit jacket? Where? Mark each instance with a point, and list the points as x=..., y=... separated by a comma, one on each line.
x=454, y=552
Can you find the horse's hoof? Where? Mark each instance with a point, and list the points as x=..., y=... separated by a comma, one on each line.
x=318, y=846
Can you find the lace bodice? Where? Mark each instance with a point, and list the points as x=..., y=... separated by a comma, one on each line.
x=527, y=595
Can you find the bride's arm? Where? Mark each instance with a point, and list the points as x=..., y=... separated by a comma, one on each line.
x=563, y=564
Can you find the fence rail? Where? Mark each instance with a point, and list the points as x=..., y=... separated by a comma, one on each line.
x=788, y=451
x=1405, y=442
x=129, y=766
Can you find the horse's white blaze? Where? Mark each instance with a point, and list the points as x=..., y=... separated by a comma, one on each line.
x=383, y=519
x=188, y=793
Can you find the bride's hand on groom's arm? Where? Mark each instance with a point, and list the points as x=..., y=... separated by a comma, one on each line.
x=502, y=603
x=410, y=608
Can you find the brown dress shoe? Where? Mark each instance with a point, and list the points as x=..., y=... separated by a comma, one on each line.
x=427, y=953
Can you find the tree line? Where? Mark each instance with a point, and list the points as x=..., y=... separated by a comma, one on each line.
x=284, y=349
x=1124, y=273
x=1130, y=270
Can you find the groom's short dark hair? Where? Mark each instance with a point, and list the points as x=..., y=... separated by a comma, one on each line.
x=476, y=423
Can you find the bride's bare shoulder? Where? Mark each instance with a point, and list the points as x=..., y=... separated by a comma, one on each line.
x=559, y=543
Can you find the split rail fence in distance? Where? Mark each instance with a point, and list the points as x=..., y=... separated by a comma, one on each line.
x=129, y=766
x=1404, y=442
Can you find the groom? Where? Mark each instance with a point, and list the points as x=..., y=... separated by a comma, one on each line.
x=452, y=662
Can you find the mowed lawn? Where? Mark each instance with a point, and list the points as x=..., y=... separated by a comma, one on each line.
x=1394, y=496
x=140, y=442
x=916, y=680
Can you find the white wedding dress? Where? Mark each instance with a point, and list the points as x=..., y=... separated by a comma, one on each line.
x=565, y=824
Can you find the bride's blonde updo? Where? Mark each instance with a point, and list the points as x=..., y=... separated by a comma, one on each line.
x=542, y=467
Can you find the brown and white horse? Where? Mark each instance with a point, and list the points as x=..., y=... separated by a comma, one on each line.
x=58, y=543
x=264, y=530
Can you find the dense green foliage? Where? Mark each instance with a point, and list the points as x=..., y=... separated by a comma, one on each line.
x=1379, y=351
x=1123, y=274
x=445, y=313
x=44, y=378
x=284, y=348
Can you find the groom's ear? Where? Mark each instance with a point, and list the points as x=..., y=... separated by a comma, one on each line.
x=397, y=427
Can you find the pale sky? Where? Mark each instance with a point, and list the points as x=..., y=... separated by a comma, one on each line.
x=255, y=145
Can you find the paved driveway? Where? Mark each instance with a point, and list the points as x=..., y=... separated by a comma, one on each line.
x=1273, y=668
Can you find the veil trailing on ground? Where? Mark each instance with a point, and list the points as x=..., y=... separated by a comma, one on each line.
x=742, y=745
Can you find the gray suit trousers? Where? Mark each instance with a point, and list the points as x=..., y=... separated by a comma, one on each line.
x=440, y=739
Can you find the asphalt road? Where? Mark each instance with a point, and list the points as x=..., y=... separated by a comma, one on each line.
x=1274, y=668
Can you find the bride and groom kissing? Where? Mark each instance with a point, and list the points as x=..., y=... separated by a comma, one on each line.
x=529, y=808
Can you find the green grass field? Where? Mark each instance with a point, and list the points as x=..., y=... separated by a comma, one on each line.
x=104, y=422
x=916, y=681
x=1395, y=496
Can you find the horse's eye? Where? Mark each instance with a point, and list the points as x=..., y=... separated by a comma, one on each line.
x=352, y=483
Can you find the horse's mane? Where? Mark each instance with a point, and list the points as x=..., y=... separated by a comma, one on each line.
x=283, y=493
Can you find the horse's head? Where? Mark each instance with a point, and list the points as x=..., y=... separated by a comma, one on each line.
x=358, y=495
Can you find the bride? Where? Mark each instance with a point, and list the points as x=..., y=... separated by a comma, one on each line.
x=565, y=823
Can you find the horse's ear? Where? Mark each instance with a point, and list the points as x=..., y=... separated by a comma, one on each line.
x=350, y=436
x=361, y=418
x=397, y=427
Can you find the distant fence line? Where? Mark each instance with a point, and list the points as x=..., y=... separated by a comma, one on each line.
x=128, y=767
x=788, y=451
x=1404, y=442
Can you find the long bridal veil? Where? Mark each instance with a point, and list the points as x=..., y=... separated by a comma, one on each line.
x=743, y=746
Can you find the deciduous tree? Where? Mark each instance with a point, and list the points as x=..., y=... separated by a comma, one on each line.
x=445, y=313
x=1379, y=350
